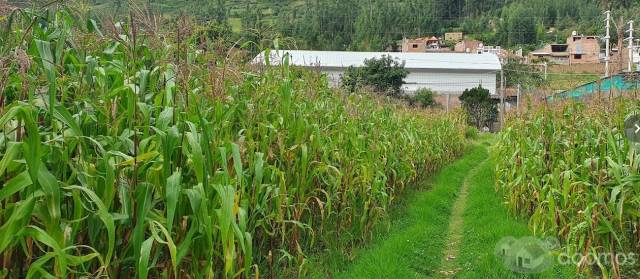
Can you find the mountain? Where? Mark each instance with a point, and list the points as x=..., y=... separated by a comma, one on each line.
x=378, y=24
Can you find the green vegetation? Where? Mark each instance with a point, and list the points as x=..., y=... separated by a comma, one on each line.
x=424, y=98
x=480, y=108
x=414, y=245
x=147, y=147
x=486, y=222
x=525, y=75
x=128, y=151
x=573, y=171
x=566, y=81
x=379, y=24
x=450, y=228
x=385, y=75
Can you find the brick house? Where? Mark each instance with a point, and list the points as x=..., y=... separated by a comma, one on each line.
x=425, y=44
x=468, y=46
x=583, y=49
x=579, y=49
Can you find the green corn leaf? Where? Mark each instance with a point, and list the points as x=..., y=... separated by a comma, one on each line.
x=17, y=221
x=143, y=205
x=172, y=192
x=44, y=49
x=173, y=251
x=143, y=260
x=63, y=115
x=36, y=270
x=43, y=237
x=237, y=164
x=51, y=189
x=104, y=216
x=12, y=152
x=15, y=185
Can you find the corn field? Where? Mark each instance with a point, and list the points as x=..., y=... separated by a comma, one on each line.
x=572, y=170
x=126, y=153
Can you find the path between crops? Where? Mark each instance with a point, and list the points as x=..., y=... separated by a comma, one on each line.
x=447, y=230
x=418, y=238
x=448, y=266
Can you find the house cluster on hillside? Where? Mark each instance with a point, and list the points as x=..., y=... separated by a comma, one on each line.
x=581, y=49
x=452, y=42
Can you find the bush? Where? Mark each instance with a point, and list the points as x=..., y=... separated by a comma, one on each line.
x=424, y=98
x=471, y=132
x=385, y=75
x=479, y=106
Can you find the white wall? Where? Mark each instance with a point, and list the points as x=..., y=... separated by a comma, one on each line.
x=449, y=82
x=441, y=81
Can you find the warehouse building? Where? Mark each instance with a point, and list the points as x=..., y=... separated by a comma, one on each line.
x=444, y=73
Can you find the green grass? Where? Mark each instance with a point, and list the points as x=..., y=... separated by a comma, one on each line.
x=486, y=221
x=414, y=245
x=566, y=81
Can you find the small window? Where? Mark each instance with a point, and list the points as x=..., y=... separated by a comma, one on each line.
x=577, y=56
x=527, y=261
x=415, y=45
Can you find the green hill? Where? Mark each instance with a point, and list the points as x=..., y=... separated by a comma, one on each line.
x=378, y=24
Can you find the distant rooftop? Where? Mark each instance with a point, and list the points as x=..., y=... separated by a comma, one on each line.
x=344, y=59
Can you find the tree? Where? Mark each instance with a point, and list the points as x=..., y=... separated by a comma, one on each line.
x=385, y=75
x=517, y=73
x=479, y=106
x=518, y=26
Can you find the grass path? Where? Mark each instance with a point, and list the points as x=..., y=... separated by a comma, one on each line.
x=415, y=243
x=486, y=221
x=448, y=230
x=448, y=265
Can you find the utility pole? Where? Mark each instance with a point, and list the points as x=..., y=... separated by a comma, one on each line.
x=502, y=108
x=620, y=32
x=630, y=66
x=518, y=99
x=607, y=44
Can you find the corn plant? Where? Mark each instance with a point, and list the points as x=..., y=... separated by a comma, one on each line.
x=572, y=170
x=121, y=157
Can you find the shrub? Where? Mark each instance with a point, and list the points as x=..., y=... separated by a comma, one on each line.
x=471, y=132
x=479, y=106
x=385, y=75
x=424, y=98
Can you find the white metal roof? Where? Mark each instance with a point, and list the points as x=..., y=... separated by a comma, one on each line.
x=344, y=59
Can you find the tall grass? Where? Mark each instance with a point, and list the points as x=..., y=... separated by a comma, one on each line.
x=123, y=154
x=571, y=168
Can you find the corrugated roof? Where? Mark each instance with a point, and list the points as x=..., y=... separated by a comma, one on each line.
x=343, y=59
